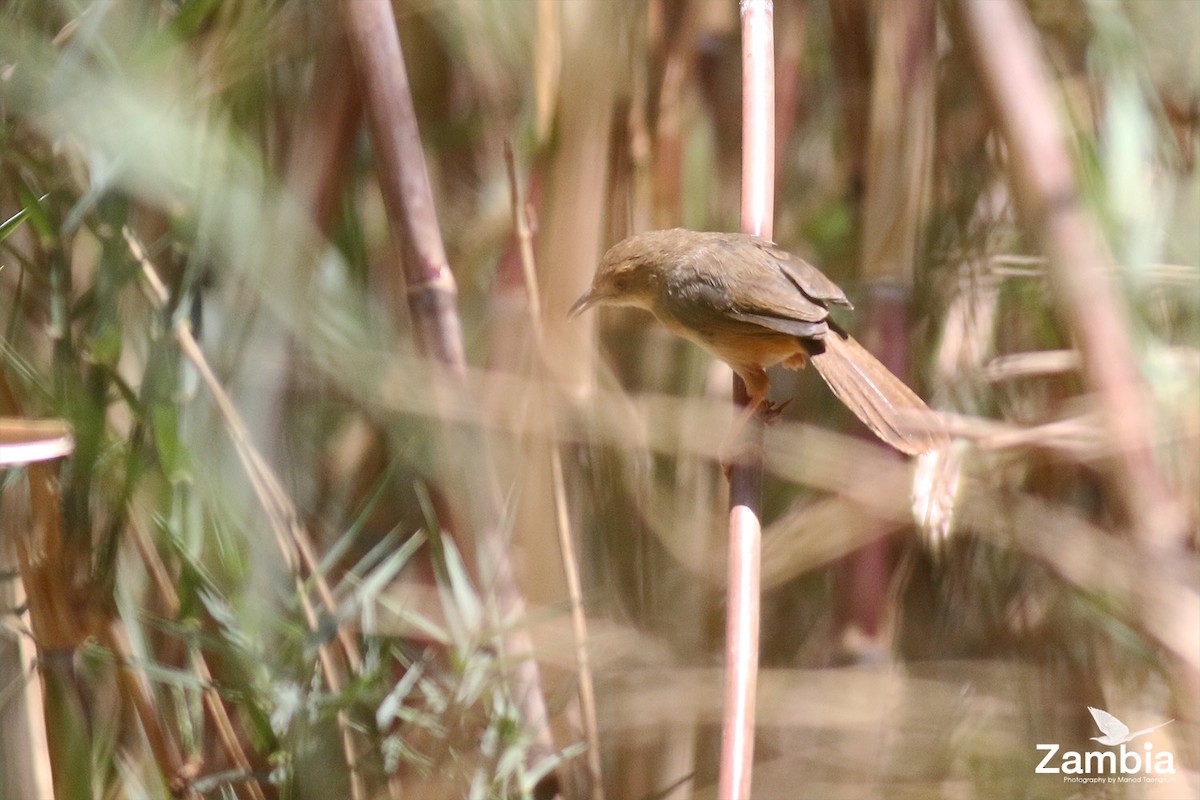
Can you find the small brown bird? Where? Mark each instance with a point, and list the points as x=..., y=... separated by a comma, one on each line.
x=754, y=305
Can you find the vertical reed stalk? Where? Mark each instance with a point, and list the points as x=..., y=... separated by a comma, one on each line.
x=745, y=480
x=898, y=174
x=429, y=287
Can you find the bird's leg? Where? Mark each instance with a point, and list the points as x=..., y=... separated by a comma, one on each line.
x=796, y=361
x=735, y=446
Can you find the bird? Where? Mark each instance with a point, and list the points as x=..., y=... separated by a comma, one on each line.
x=1115, y=731
x=754, y=305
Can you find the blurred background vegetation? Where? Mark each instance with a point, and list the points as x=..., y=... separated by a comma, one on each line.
x=243, y=582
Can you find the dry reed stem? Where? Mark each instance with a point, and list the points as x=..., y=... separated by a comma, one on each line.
x=426, y=281
x=57, y=627
x=898, y=176
x=46, y=587
x=429, y=286
x=1003, y=42
x=566, y=538
x=22, y=705
x=745, y=480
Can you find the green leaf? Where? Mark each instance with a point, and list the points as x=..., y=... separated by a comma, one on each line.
x=12, y=223
x=34, y=212
x=164, y=419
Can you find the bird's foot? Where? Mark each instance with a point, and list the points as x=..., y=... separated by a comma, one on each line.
x=770, y=412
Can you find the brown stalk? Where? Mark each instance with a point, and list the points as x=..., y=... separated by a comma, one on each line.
x=678, y=46
x=566, y=538
x=897, y=177
x=745, y=479
x=53, y=579
x=1004, y=46
x=50, y=579
x=33, y=777
x=429, y=287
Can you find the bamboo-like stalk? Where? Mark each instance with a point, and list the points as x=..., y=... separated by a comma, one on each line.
x=429, y=287
x=23, y=736
x=1003, y=44
x=745, y=480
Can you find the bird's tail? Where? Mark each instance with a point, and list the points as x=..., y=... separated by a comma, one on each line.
x=877, y=397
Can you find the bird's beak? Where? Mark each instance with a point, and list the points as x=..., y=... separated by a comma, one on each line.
x=589, y=299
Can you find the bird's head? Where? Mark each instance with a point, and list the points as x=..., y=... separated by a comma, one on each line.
x=629, y=274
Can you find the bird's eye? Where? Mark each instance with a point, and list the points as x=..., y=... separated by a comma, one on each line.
x=620, y=283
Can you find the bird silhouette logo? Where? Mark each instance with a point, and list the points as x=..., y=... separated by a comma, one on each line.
x=1115, y=731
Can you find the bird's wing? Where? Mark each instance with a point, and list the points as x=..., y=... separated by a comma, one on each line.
x=1108, y=724
x=751, y=286
x=693, y=303
x=806, y=277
